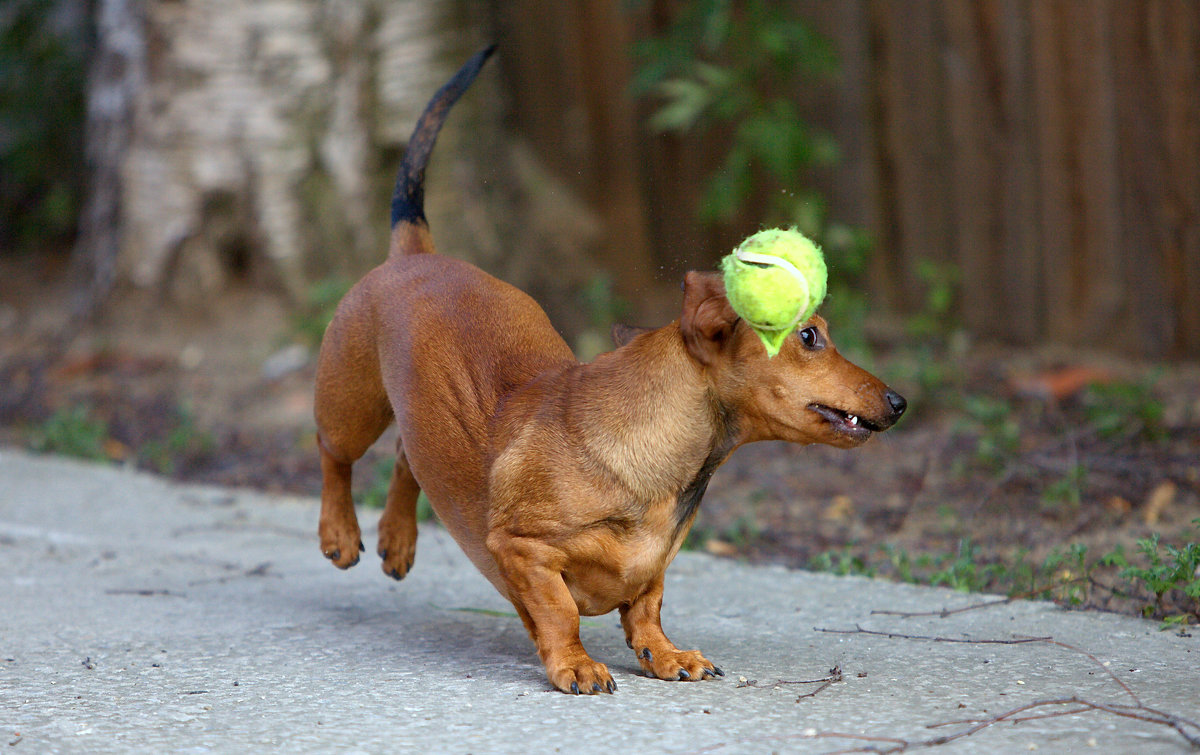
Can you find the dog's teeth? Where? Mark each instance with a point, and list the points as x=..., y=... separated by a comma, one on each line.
x=852, y=419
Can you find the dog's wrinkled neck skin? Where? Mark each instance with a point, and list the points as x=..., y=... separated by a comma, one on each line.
x=647, y=415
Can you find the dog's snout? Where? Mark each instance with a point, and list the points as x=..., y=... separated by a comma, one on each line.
x=897, y=402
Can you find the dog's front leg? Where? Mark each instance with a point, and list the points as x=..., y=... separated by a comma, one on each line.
x=657, y=655
x=532, y=573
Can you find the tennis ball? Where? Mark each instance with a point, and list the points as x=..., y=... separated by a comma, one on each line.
x=775, y=280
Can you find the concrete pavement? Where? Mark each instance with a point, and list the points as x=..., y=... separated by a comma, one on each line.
x=141, y=615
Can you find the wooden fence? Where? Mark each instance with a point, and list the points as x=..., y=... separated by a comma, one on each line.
x=1048, y=149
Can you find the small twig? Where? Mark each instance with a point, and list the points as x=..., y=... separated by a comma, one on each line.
x=835, y=676
x=1183, y=726
x=810, y=734
x=1139, y=713
x=145, y=593
x=820, y=689
x=983, y=604
x=896, y=636
x=1040, y=716
x=1104, y=668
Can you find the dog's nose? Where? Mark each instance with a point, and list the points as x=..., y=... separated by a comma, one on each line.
x=897, y=402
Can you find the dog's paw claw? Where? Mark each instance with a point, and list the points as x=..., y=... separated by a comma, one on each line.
x=336, y=555
x=677, y=665
x=397, y=552
x=583, y=678
x=337, y=542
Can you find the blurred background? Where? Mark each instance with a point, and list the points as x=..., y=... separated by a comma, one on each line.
x=1007, y=192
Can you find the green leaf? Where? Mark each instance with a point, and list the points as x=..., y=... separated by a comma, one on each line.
x=686, y=101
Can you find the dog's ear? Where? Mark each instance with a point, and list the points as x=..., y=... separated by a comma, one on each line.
x=623, y=334
x=708, y=319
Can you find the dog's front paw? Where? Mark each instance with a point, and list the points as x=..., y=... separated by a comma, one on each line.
x=677, y=665
x=341, y=545
x=581, y=677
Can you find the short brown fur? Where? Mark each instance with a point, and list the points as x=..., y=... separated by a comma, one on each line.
x=570, y=486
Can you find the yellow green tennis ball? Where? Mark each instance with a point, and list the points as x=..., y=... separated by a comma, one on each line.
x=775, y=280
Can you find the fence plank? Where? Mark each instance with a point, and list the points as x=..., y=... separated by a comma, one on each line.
x=1019, y=198
x=973, y=113
x=1143, y=177
x=916, y=209
x=1172, y=48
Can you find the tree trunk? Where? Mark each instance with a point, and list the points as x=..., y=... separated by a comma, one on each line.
x=251, y=140
x=118, y=74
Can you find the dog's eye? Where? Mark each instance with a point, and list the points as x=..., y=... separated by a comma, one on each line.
x=812, y=339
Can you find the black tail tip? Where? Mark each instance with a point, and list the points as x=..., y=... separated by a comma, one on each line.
x=408, y=199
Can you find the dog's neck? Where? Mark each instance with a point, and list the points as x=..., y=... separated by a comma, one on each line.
x=648, y=416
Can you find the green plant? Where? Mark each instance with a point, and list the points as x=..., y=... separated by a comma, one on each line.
x=733, y=63
x=375, y=496
x=744, y=531
x=964, y=572
x=1067, y=490
x=1064, y=576
x=182, y=441
x=313, y=315
x=72, y=431
x=842, y=562
x=1119, y=409
x=604, y=308
x=603, y=305
x=1068, y=575
x=42, y=75
x=1166, y=567
x=932, y=375
x=935, y=320
x=732, y=67
x=994, y=423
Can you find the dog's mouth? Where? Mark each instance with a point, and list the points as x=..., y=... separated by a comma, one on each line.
x=844, y=422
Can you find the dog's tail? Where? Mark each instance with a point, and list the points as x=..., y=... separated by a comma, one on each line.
x=408, y=201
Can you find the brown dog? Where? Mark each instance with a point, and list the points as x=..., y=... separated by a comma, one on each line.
x=570, y=486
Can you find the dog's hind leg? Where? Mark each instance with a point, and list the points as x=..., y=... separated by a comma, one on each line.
x=398, y=525
x=341, y=538
x=352, y=411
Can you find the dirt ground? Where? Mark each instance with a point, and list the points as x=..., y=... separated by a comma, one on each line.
x=1006, y=458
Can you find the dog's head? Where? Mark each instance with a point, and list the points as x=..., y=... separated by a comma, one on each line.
x=808, y=393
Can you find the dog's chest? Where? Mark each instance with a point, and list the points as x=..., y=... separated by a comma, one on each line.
x=619, y=565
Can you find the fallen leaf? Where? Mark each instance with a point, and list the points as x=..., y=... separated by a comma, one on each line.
x=115, y=449
x=1118, y=505
x=1160, y=498
x=1060, y=384
x=720, y=548
x=839, y=509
